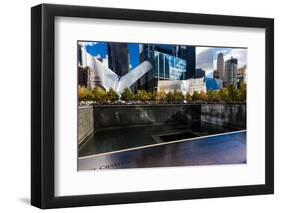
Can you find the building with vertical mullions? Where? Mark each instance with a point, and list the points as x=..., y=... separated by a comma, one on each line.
x=170, y=62
x=231, y=72
x=241, y=76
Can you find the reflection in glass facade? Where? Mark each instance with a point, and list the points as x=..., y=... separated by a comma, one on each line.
x=168, y=67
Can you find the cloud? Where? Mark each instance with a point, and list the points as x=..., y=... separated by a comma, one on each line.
x=87, y=43
x=204, y=58
x=240, y=54
x=223, y=51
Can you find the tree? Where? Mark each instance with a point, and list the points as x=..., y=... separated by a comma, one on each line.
x=213, y=96
x=188, y=97
x=233, y=95
x=203, y=96
x=112, y=95
x=84, y=94
x=127, y=95
x=243, y=93
x=223, y=95
x=142, y=95
x=152, y=96
x=99, y=95
x=170, y=96
x=195, y=96
x=160, y=96
x=178, y=96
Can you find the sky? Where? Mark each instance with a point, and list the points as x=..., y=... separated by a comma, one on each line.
x=206, y=57
x=99, y=49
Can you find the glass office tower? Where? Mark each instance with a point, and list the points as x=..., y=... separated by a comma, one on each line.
x=168, y=67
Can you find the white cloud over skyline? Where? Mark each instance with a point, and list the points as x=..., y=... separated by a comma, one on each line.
x=240, y=54
x=206, y=57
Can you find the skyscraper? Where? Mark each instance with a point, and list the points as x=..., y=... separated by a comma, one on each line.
x=241, y=76
x=118, y=58
x=169, y=62
x=220, y=67
x=231, y=71
x=190, y=61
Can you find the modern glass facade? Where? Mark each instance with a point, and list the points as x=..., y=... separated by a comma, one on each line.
x=168, y=67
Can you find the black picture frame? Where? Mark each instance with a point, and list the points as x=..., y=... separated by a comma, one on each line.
x=43, y=102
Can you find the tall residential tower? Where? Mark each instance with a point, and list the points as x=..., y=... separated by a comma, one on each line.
x=231, y=71
x=220, y=67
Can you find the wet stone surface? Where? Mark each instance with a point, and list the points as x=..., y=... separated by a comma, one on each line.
x=107, y=149
x=110, y=140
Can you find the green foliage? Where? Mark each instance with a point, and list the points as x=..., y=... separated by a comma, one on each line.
x=175, y=96
x=203, y=96
x=188, y=97
x=84, y=94
x=195, y=96
x=178, y=96
x=152, y=96
x=213, y=96
x=161, y=96
x=112, y=95
x=233, y=94
x=142, y=95
x=127, y=95
x=170, y=96
x=225, y=95
x=99, y=95
x=243, y=93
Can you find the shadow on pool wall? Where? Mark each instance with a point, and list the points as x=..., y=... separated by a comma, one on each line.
x=232, y=115
x=118, y=116
x=137, y=115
